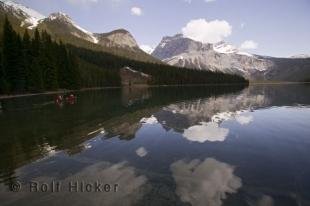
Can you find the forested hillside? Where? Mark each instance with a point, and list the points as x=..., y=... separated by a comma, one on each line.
x=36, y=63
x=162, y=74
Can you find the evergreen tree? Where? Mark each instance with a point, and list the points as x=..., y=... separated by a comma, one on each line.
x=27, y=57
x=20, y=65
x=9, y=55
x=35, y=79
x=73, y=81
x=47, y=63
x=62, y=66
x=3, y=83
x=13, y=67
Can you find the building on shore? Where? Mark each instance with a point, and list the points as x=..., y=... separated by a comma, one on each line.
x=130, y=77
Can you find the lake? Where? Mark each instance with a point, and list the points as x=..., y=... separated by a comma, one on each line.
x=225, y=145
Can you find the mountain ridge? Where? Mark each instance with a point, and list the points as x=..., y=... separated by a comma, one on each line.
x=181, y=51
x=62, y=27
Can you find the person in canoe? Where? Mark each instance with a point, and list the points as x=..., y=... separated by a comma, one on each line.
x=59, y=100
x=71, y=99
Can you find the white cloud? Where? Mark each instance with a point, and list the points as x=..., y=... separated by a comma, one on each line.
x=208, y=1
x=249, y=44
x=149, y=120
x=148, y=49
x=141, y=152
x=136, y=11
x=244, y=119
x=206, y=132
x=207, y=32
x=204, y=183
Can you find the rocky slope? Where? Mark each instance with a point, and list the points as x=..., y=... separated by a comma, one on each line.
x=180, y=51
x=62, y=27
x=29, y=17
x=117, y=38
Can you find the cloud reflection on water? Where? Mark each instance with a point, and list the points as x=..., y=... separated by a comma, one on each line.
x=205, y=182
x=129, y=190
x=207, y=131
x=265, y=200
x=141, y=152
x=244, y=119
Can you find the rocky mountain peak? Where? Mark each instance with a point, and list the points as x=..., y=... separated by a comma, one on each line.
x=185, y=52
x=62, y=24
x=176, y=45
x=223, y=47
x=66, y=25
x=26, y=15
x=119, y=31
x=60, y=16
x=119, y=37
x=171, y=38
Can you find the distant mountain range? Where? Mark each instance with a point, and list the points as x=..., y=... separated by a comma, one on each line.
x=62, y=27
x=223, y=57
x=176, y=50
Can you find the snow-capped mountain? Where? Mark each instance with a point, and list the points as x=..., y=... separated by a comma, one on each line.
x=181, y=51
x=176, y=50
x=185, y=52
x=30, y=18
x=60, y=26
x=225, y=48
x=67, y=25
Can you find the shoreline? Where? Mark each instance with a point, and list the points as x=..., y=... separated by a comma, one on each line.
x=137, y=86
x=53, y=92
x=275, y=83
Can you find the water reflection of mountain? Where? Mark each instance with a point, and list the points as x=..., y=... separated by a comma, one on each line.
x=202, y=111
x=31, y=132
x=33, y=127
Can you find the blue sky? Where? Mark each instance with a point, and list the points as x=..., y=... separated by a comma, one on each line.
x=269, y=27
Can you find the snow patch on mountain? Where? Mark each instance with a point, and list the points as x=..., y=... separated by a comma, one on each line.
x=33, y=19
x=185, y=52
x=146, y=48
x=168, y=39
x=66, y=19
x=224, y=48
x=244, y=53
x=30, y=16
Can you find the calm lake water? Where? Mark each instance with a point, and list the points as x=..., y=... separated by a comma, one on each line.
x=163, y=146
